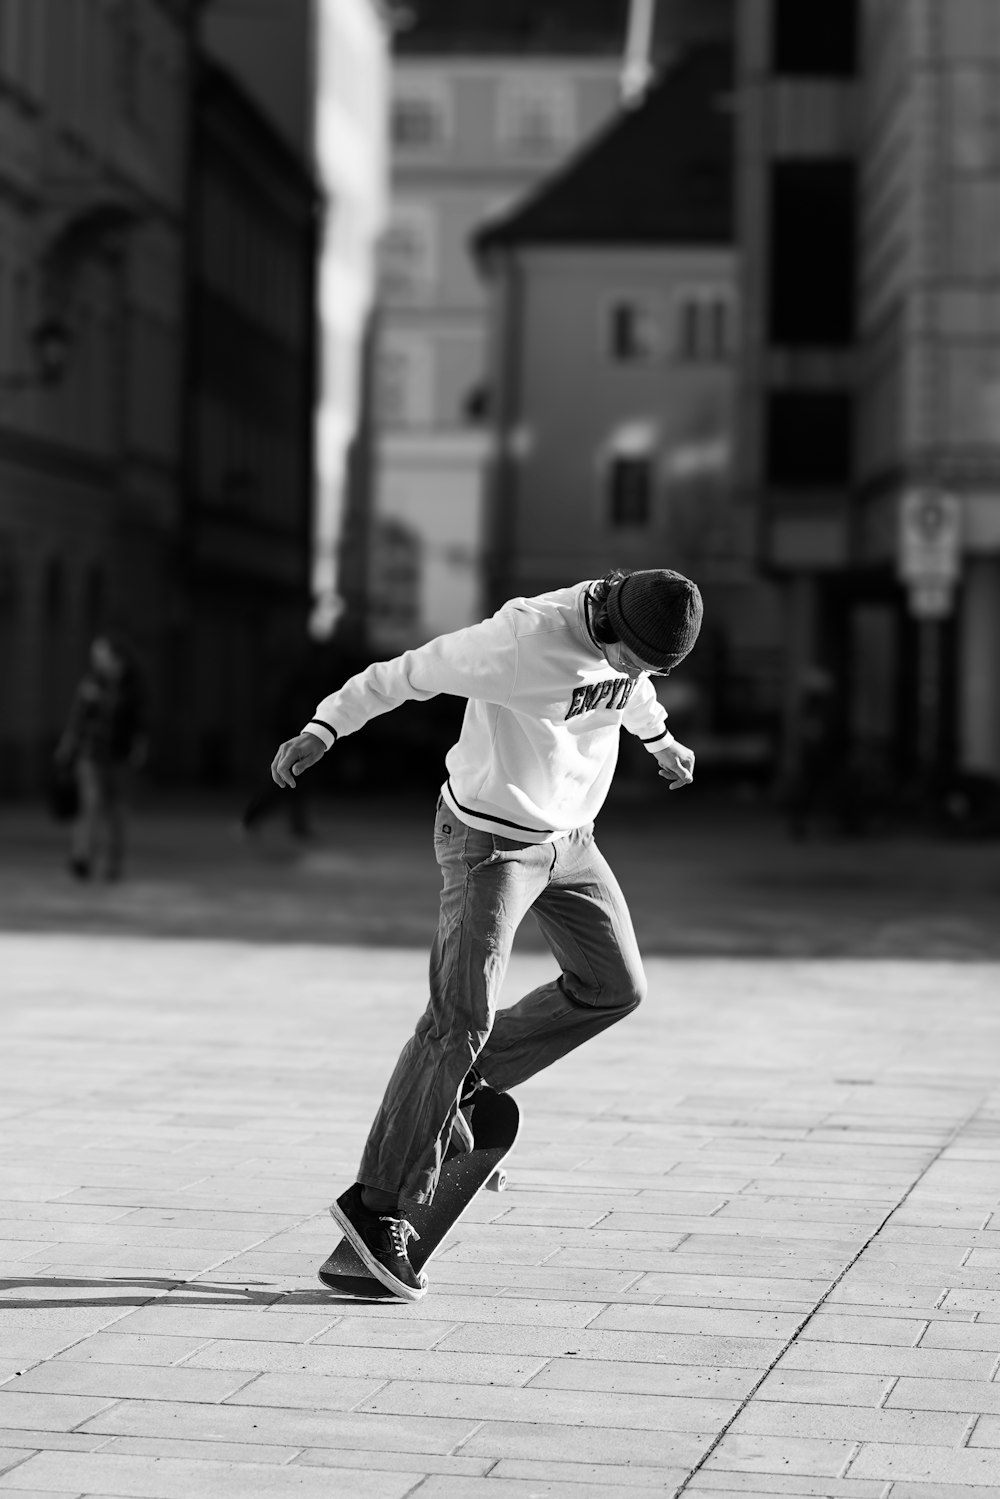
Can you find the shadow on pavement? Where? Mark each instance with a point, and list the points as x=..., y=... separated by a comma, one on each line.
x=226, y=1294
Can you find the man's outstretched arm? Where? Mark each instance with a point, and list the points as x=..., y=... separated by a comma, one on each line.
x=477, y=662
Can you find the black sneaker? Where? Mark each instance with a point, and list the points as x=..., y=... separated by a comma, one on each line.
x=380, y=1242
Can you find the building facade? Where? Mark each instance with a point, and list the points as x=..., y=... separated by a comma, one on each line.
x=94, y=123
x=250, y=396
x=615, y=321
x=870, y=181
x=157, y=248
x=473, y=125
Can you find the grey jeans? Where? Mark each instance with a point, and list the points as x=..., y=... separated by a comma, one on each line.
x=488, y=884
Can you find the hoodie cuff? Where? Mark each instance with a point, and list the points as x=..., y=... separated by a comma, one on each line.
x=323, y=730
x=658, y=742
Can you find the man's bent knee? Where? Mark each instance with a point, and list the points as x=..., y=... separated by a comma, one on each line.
x=632, y=992
x=620, y=996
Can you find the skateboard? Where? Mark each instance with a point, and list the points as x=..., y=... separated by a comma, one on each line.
x=495, y=1119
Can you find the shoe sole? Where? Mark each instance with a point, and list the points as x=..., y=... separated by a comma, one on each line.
x=371, y=1264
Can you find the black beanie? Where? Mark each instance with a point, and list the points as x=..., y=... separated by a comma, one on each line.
x=656, y=615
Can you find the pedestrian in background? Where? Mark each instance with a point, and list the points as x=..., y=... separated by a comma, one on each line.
x=104, y=737
x=549, y=681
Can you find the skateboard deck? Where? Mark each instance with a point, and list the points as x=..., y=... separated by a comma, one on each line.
x=495, y=1121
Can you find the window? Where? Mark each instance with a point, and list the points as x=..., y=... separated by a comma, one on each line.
x=705, y=324
x=404, y=389
x=536, y=114
x=813, y=253
x=420, y=121
x=632, y=332
x=815, y=38
x=630, y=489
x=408, y=253
x=809, y=437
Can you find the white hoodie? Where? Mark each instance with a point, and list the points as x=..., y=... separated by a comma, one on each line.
x=539, y=740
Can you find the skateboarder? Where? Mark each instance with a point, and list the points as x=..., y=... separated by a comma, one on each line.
x=549, y=682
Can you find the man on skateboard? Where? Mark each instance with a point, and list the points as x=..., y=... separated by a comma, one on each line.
x=549, y=681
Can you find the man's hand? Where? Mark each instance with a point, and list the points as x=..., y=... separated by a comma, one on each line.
x=295, y=756
x=676, y=764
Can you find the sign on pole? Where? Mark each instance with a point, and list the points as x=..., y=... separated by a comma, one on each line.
x=930, y=549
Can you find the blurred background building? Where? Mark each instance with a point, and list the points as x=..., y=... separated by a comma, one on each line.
x=163, y=468
x=622, y=265
x=95, y=134
x=869, y=183
x=342, y=320
x=488, y=98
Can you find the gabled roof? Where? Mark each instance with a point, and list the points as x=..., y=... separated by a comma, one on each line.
x=660, y=172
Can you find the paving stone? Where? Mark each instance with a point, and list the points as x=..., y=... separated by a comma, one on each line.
x=275, y=1426
x=44, y=1411
x=403, y=1462
x=821, y=1387
x=214, y=1450
x=10, y=1493
x=755, y=1287
x=604, y=1375
x=366, y=1362
x=13, y=1457
x=981, y=1336
x=539, y=1442
x=778, y=1418
x=876, y=1358
x=940, y=1491
x=963, y=1395
x=722, y=1322
x=733, y=1485
x=59, y=1441
x=123, y=1348
x=615, y=1475
x=131, y=1382
x=552, y=1406
x=169, y=1319
x=181, y=1478
x=861, y=1326
x=809, y=1456
x=494, y=1487
x=625, y=1347
x=939, y=1465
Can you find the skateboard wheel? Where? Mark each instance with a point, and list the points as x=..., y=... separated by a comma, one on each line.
x=497, y=1182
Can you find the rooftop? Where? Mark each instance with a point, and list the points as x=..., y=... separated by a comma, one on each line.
x=660, y=172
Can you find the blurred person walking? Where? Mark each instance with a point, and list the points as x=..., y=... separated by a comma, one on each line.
x=550, y=681
x=104, y=736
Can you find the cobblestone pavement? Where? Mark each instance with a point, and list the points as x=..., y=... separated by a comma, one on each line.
x=750, y=1247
